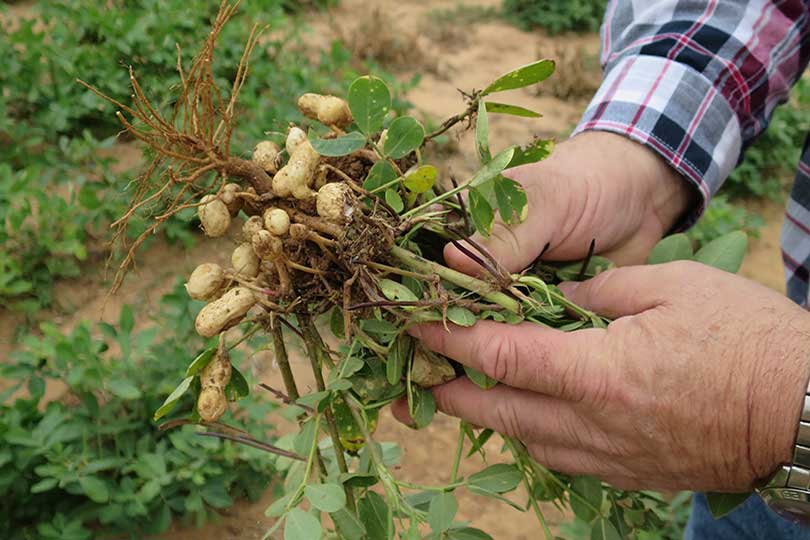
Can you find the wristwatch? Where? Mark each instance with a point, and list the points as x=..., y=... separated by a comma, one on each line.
x=787, y=492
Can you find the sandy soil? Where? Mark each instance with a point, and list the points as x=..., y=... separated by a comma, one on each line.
x=451, y=56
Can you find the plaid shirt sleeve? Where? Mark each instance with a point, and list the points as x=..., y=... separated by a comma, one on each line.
x=697, y=81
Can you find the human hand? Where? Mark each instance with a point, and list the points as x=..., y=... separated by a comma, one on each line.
x=697, y=384
x=597, y=185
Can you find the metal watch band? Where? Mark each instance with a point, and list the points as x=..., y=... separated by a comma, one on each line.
x=796, y=475
x=788, y=491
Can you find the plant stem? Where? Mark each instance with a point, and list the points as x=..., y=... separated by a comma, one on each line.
x=437, y=199
x=518, y=453
x=484, y=289
x=459, y=451
x=283, y=361
x=316, y=353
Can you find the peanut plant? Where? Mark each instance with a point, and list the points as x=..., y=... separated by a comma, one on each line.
x=340, y=228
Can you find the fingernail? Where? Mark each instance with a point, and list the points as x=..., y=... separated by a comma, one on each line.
x=568, y=287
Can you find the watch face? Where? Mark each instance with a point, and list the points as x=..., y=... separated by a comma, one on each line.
x=793, y=505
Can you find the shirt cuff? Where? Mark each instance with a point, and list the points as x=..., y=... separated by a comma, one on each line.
x=677, y=112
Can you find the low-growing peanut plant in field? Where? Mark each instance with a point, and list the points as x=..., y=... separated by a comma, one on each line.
x=340, y=230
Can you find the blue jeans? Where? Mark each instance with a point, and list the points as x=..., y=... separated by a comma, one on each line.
x=751, y=521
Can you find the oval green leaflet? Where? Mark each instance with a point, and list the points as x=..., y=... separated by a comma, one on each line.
x=460, y=316
x=396, y=291
x=481, y=212
x=325, y=497
x=300, y=525
x=498, y=478
x=513, y=205
x=676, y=247
x=171, y=401
x=586, y=497
x=521, y=77
x=537, y=150
x=604, y=530
x=394, y=200
x=339, y=146
x=201, y=361
x=421, y=179
x=376, y=517
x=725, y=253
x=380, y=174
x=514, y=110
x=481, y=380
x=405, y=134
x=442, y=511
x=369, y=101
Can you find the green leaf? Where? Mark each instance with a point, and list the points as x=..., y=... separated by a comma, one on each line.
x=514, y=110
x=423, y=407
x=721, y=504
x=596, y=265
x=405, y=134
x=201, y=361
x=325, y=497
x=216, y=494
x=420, y=180
x=481, y=213
x=394, y=200
x=676, y=247
x=126, y=320
x=380, y=174
x=369, y=101
x=479, y=379
x=604, y=530
x=279, y=505
x=375, y=516
x=493, y=168
x=347, y=524
x=124, y=389
x=397, y=359
x=725, y=253
x=238, y=386
x=312, y=400
x=442, y=511
x=173, y=398
x=588, y=504
x=95, y=489
x=513, y=205
x=305, y=438
x=521, y=77
x=359, y=480
x=498, y=478
x=339, y=146
x=482, y=134
x=336, y=322
x=396, y=291
x=479, y=441
x=467, y=533
x=461, y=316
x=300, y=525
x=538, y=150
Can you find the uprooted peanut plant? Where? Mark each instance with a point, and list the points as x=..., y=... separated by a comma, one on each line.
x=341, y=228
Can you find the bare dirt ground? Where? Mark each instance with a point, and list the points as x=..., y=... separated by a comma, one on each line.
x=451, y=51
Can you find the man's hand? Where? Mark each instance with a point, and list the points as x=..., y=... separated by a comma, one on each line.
x=697, y=384
x=595, y=186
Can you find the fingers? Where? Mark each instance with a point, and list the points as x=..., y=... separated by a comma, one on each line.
x=621, y=291
x=572, y=366
x=516, y=413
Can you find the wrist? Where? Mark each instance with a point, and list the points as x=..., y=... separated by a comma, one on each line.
x=777, y=401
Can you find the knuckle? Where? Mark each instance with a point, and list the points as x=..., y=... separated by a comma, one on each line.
x=499, y=357
x=508, y=420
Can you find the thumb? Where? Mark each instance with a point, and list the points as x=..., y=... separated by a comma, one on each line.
x=621, y=291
